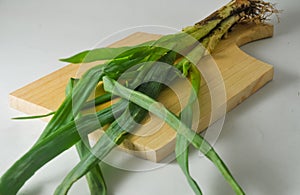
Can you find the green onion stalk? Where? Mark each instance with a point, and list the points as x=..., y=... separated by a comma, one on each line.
x=94, y=177
x=70, y=126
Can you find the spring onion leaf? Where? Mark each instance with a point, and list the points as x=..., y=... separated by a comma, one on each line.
x=197, y=140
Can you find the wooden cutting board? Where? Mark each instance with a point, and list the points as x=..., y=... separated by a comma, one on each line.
x=243, y=75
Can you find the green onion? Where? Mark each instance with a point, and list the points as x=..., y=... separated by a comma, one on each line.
x=51, y=146
x=115, y=134
x=136, y=65
x=33, y=117
x=94, y=177
x=103, y=54
x=182, y=143
x=197, y=140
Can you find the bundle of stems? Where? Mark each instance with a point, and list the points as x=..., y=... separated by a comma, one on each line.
x=69, y=126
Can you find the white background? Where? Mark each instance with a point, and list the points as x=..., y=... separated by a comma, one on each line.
x=260, y=138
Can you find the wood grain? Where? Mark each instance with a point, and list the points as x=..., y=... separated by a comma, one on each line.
x=241, y=75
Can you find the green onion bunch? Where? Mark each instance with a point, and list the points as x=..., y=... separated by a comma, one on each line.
x=133, y=100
